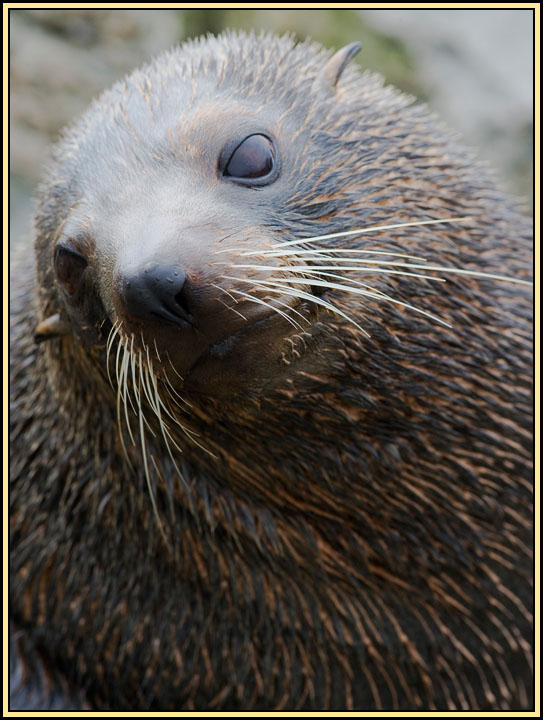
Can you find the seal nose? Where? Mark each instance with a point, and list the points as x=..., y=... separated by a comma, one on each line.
x=156, y=291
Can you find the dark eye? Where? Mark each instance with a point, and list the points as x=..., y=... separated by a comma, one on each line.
x=253, y=158
x=69, y=266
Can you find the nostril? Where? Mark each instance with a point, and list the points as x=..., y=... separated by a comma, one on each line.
x=182, y=300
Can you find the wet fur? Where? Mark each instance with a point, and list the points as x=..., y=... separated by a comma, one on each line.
x=359, y=534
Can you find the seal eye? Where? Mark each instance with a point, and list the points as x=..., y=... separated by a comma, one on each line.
x=253, y=158
x=69, y=266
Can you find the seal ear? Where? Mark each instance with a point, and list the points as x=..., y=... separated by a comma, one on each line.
x=332, y=71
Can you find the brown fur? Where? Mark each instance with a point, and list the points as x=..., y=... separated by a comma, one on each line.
x=353, y=528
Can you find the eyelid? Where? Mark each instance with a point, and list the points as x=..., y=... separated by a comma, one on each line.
x=240, y=177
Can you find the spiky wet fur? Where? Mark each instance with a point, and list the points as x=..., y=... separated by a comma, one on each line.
x=357, y=537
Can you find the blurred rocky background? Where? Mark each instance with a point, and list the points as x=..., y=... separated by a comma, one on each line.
x=474, y=67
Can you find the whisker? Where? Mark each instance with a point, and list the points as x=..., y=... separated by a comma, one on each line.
x=291, y=309
x=437, y=268
x=120, y=347
x=136, y=385
x=156, y=352
x=313, y=268
x=170, y=388
x=375, y=294
x=144, y=384
x=167, y=436
x=121, y=386
x=126, y=392
x=409, y=266
x=146, y=468
x=348, y=278
x=224, y=289
x=218, y=287
x=159, y=406
x=133, y=370
x=181, y=398
x=294, y=292
x=374, y=228
x=325, y=253
x=471, y=273
x=111, y=338
x=259, y=301
x=357, y=291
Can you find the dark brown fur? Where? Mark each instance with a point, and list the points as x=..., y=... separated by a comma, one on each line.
x=356, y=531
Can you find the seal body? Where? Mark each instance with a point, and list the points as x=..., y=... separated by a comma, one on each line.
x=273, y=449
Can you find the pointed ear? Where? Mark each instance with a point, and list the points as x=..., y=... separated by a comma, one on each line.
x=332, y=71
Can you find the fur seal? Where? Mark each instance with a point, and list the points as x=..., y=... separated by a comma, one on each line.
x=270, y=401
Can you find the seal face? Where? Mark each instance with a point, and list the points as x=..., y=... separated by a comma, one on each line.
x=273, y=448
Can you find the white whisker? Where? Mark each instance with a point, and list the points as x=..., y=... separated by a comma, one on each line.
x=358, y=291
x=324, y=253
x=294, y=292
x=313, y=268
x=369, y=292
x=160, y=407
x=136, y=384
x=374, y=228
x=259, y=301
x=218, y=287
x=471, y=273
x=146, y=471
x=291, y=309
x=156, y=352
x=112, y=334
x=121, y=386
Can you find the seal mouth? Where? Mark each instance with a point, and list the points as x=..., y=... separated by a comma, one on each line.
x=244, y=359
x=168, y=317
x=222, y=348
x=240, y=364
